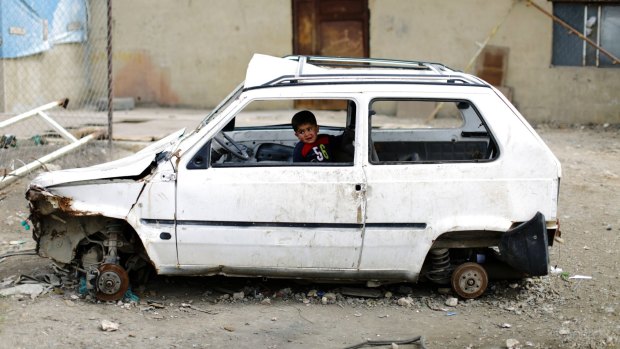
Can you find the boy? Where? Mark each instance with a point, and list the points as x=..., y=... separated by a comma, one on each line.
x=312, y=146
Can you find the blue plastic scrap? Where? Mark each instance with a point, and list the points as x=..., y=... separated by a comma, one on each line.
x=83, y=290
x=130, y=296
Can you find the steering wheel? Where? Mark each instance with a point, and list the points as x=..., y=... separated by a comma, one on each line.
x=234, y=148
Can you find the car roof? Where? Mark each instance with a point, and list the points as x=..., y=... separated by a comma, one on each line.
x=267, y=71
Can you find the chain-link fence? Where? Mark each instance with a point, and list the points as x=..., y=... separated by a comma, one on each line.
x=49, y=51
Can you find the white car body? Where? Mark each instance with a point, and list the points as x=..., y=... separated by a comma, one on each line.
x=364, y=219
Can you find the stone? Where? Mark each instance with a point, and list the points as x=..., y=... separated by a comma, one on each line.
x=405, y=301
x=388, y=294
x=33, y=290
x=564, y=331
x=324, y=300
x=331, y=297
x=312, y=293
x=109, y=326
x=238, y=295
x=505, y=325
x=512, y=343
x=266, y=301
x=285, y=292
x=452, y=302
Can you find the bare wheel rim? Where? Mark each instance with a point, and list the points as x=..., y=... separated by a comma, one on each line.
x=469, y=280
x=112, y=282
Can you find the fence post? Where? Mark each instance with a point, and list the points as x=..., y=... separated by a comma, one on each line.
x=110, y=86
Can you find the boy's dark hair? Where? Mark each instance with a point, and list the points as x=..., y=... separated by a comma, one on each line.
x=303, y=117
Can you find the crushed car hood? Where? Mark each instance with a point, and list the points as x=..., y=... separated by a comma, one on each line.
x=132, y=165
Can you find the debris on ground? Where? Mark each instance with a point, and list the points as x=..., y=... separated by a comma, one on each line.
x=109, y=326
x=129, y=296
x=392, y=343
x=512, y=343
x=405, y=301
x=452, y=302
x=32, y=290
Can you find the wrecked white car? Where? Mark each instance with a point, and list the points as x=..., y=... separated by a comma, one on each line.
x=442, y=180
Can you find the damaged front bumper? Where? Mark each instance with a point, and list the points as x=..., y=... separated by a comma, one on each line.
x=56, y=234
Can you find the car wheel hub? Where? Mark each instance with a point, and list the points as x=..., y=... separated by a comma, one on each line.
x=469, y=280
x=112, y=282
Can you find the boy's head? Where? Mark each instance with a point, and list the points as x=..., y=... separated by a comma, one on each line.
x=305, y=126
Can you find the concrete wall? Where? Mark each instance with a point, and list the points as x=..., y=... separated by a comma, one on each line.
x=77, y=71
x=447, y=31
x=31, y=81
x=192, y=52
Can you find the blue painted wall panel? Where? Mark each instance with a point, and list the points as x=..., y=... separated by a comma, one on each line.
x=33, y=26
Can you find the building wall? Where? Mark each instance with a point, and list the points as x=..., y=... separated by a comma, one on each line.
x=192, y=53
x=31, y=81
x=77, y=71
x=448, y=32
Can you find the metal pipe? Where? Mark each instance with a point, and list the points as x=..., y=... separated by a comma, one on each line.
x=492, y=33
x=598, y=35
x=57, y=127
x=63, y=102
x=110, y=85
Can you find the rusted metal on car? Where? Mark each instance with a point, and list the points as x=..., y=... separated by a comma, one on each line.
x=45, y=203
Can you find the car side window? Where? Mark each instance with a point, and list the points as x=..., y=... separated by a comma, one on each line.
x=262, y=135
x=428, y=131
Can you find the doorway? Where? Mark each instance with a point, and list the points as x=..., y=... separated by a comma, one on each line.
x=337, y=28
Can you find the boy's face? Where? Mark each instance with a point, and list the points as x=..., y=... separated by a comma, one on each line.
x=307, y=133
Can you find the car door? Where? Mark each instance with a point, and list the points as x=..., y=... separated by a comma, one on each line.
x=268, y=219
x=424, y=177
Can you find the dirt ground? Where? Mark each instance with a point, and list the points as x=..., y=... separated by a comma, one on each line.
x=547, y=312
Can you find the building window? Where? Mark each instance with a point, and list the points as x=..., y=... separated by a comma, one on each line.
x=599, y=22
